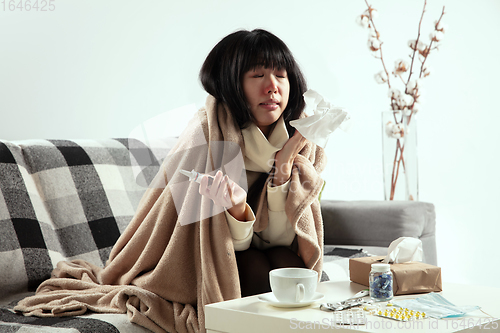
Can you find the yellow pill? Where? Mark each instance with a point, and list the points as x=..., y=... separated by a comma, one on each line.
x=379, y=312
x=389, y=304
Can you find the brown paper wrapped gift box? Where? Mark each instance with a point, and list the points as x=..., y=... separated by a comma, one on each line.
x=409, y=277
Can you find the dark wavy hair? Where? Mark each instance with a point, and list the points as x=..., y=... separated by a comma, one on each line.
x=222, y=72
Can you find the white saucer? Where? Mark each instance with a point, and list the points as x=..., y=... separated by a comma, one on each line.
x=271, y=299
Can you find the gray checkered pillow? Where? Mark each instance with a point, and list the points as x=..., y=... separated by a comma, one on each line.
x=62, y=200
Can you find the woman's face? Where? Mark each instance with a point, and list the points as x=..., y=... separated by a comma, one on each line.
x=266, y=91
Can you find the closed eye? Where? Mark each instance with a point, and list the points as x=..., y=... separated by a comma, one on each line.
x=281, y=74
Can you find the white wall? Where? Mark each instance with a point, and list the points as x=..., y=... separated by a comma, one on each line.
x=97, y=69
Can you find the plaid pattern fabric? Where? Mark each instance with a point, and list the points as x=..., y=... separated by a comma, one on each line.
x=62, y=200
x=12, y=322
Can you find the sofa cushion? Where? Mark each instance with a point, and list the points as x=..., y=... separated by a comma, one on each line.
x=378, y=223
x=62, y=200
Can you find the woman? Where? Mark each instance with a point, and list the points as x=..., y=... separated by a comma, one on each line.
x=164, y=268
x=256, y=76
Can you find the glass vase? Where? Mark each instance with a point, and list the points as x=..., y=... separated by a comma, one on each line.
x=399, y=150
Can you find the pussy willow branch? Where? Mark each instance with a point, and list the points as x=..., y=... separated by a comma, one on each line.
x=425, y=57
x=397, y=161
x=426, y=54
x=413, y=94
x=394, y=106
x=430, y=45
x=394, y=174
x=377, y=36
x=415, y=49
x=402, y=80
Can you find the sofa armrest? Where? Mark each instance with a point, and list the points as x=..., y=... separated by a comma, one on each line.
x=378, y=223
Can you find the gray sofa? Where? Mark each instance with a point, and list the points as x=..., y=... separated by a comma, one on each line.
x=378, y=223
x=63, y=200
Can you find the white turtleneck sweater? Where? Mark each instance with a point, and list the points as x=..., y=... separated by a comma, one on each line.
x=259, y=156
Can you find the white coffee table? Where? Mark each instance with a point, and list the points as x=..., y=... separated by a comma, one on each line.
x=250, y=315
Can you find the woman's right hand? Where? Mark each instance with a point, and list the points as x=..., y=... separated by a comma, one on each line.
x=226, y=193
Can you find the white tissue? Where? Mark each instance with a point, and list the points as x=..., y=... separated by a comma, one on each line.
x=326, y=118
x=404, y=249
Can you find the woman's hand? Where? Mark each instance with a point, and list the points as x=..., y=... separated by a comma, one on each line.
x=226, y=193
x=285, y=157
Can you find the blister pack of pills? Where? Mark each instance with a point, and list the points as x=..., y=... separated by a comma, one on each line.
x=349, y=317
x=347, y=304
x=401, y=314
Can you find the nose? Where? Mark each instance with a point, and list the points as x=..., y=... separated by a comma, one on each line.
x=272, y=85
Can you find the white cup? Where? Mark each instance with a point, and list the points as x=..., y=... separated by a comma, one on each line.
x=293, y=285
